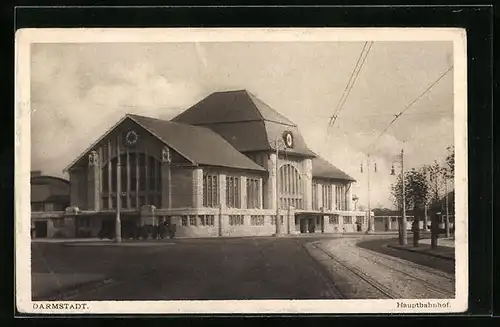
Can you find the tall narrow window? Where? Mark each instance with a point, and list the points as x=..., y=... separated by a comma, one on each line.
x=148, y=196
x=210, y=190
x=338, y=197
x=327, y=196
x=233, y=192
x=113, y=176
x=253, y=193
x=315, y=205
x=290, y=187
x=105, y=181
x=142, y=172
x=133, y=171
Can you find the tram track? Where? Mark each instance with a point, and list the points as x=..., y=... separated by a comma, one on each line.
x=429, y=270
x=385, y=292
x=431, y=286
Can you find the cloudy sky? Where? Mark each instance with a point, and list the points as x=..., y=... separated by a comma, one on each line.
x=78, y=91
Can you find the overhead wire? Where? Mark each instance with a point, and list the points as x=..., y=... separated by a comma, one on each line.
x=353, y=81
x=347, y=90
x=348, y=83
x=396, y=116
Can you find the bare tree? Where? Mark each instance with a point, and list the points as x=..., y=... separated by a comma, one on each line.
x=450, y=161
x=438, y=177
x=416, y=194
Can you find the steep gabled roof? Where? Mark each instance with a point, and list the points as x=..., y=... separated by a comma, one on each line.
x=199, y=144
x=323, y=169
x=245, y=121
x=229, y=107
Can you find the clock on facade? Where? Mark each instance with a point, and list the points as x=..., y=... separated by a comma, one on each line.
x=288, y=138
x=131, y=138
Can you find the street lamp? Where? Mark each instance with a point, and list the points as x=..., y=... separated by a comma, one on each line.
x=371, y=225
x=286, y=142
x=402, y=224
x=446, y=175
x=118, y=225
x=277, y=144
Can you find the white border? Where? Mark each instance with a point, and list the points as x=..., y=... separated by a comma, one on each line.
x=79, y=35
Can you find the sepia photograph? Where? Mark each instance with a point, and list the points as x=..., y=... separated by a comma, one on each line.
x=241, y=170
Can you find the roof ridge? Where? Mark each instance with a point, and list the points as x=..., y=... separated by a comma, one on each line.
x=286, y=121
x=175, y=147
x=159, y=138
x=249, y=96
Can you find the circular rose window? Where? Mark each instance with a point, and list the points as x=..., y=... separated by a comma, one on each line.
x=131, y=138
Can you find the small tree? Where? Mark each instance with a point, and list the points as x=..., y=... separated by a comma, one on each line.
x=450, y=161
x=438, y=175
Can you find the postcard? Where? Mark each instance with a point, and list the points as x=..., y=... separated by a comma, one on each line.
x=252, y=170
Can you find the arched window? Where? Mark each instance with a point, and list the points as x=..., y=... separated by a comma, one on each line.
x=140, y=179
x=290, y=187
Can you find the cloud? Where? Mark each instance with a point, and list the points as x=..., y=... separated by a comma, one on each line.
x=66, y=119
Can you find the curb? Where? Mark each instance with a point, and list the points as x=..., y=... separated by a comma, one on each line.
x=72, y=290
x=138, y=244
x=424, y=253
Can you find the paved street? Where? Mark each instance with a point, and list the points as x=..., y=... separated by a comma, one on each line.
x=233, y=268
x=258, y=268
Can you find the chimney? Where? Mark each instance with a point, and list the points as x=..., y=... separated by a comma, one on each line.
x=36, y=173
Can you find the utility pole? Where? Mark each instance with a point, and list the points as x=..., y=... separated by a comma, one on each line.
x=278, y=220
x=426, y=173
x=404, y=240
x=447, y=221
x=118, y=224
x=370, y=224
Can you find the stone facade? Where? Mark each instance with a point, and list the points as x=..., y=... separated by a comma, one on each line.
x=182, y=189
x=180, y=194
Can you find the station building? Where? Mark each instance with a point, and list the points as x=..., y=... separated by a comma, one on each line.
x=220, y=168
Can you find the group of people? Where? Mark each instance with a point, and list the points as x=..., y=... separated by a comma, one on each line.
x=158, y=231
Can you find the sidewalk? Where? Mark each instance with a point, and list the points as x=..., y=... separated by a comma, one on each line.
x=51, y=286
x=446, y=242
x=442, y=252
x=70, y=240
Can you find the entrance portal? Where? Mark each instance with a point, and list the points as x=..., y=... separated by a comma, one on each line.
x=312, y=225
x=307, y=224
